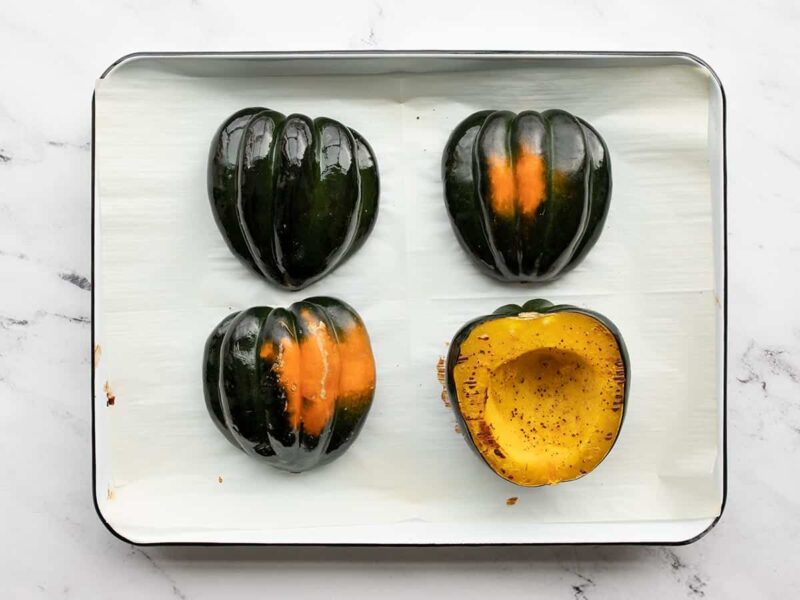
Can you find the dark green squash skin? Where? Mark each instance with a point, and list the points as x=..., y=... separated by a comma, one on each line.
x=211, y=369
x=509, y=310
x=223, y=174
x=294, y=197
x=567, y=223
x=247, y=402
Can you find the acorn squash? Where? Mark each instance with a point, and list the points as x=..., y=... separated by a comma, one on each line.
x=539, y=391
x=291, y=387
x=527, y=193
x=293, y=197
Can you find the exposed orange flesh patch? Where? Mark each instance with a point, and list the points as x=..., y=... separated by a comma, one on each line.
x=530, y=180
x=521, y=184
x=502, y=185
x=287, y=367
x=319, y=375
x=358, y=364
x=320, y=372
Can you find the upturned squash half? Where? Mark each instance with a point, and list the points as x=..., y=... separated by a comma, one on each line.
x=527, y=193
x=293, y=197
x=291, y=387
x=539, y=390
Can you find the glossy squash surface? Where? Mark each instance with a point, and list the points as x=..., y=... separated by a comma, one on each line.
x=293, y=197
x=291, y=387
x=527, y=193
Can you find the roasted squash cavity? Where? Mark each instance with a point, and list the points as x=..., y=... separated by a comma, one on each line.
x=539, y=390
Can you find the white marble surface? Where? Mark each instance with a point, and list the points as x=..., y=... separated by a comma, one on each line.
x=53, y=543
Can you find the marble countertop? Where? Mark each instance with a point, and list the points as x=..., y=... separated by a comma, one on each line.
x=54, y=544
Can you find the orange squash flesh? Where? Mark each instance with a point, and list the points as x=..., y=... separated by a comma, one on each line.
x=541, y=395
x=321, y=372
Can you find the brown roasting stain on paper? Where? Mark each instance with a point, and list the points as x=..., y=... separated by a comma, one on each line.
x=111, y=399
x=440, y=375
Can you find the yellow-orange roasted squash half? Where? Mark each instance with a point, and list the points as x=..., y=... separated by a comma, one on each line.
x=539, y=390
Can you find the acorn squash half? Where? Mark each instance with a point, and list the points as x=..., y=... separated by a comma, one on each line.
x=294, y=197
x=527, y=193
x=539, y=390
x=290, y=387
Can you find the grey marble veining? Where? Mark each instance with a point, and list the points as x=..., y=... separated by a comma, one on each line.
x=54, y=545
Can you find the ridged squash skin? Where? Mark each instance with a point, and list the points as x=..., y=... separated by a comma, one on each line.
x=290, y=387
x=527, y=193
x=293, y=197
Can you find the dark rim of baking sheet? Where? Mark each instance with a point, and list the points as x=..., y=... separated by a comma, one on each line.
x=442, y=53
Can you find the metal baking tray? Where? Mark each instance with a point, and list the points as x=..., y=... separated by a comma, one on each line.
x=163, y=278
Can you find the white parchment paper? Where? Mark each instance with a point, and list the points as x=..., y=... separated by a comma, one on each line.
x=166, y=278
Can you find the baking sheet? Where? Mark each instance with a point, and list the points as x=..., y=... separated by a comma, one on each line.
x=165, y=278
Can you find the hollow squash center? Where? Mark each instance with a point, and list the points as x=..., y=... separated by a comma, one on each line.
x=541, y=395
x=537, y=402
